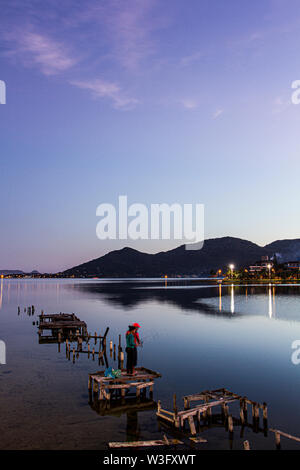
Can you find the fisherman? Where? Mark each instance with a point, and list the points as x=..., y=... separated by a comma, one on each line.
x=131, y=350
x=137, y=342
x=136, y=334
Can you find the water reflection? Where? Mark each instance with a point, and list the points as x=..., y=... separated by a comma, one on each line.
x=232, y=299
x=218, y=299
x=1, y=292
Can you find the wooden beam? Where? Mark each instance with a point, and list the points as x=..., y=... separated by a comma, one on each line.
x=159, y=442
x=284, y=434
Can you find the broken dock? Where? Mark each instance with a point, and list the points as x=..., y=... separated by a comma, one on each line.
x=107, y=386
x=211, y=399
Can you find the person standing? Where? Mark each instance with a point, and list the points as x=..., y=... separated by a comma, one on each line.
x=136, y=334
x=137, y=342
x=131, y=350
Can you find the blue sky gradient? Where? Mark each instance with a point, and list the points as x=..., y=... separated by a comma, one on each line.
x=171, y=101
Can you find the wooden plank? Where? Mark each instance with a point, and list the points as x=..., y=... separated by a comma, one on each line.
x=284, y=434
x=197, y=439
x=192, y=425
x=159, y=442
x=201, y=408
x=117, y=386
x=167, y=412
x=144, y=385
x=160, y=415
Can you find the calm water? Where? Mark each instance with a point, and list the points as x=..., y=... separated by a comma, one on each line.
x=198, y=336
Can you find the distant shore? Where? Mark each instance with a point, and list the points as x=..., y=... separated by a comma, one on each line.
x=217, y=281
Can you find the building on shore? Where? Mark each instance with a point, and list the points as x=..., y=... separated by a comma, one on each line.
x=264, y=264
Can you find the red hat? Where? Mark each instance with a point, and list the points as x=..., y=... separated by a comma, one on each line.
x=136, y=325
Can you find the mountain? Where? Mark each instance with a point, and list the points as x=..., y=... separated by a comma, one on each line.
x=7, y=272
x=217, y=253
x=10, y=271
x=285, y=250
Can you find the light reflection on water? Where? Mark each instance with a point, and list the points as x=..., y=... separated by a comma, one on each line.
x=199, y=336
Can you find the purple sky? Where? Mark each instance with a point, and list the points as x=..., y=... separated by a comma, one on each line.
x=164, y=101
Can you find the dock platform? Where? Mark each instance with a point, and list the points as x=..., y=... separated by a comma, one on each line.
x=209, y=400
x=105, y=386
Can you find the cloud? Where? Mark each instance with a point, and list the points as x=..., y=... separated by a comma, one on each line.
x=126, y=26
x=104, y=89
x=35, y=49
x=190, y=59
x=189, y=103
x=218, y=113
x=280, y=104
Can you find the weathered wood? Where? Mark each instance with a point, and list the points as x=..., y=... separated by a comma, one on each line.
x=144, y=385
x=242, y=416
x=118, y=386
x=284, y=434
x=265, y=411
x=197, y=440
x=203, y=407
x=246, y=445
x=159, y=442
x=230, y=423
x=167, y=412
x=192, y=425
x=160, y=415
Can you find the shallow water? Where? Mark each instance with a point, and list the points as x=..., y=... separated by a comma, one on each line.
x=199, y=336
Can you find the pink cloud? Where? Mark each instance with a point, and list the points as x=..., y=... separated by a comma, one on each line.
x=104, y=89
x=32, y=48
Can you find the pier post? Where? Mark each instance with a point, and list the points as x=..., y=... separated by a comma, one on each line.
x=246, y=445
x=230, y=424
x=277, y=440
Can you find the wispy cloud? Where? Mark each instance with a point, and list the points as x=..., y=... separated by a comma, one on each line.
x=189, y=103
x=280, y=104
x=190, y=59
x=104, y=89
x=36, y=49
x=218, y=113
x=126, y=26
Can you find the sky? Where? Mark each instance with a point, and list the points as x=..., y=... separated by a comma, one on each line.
x=163, y=101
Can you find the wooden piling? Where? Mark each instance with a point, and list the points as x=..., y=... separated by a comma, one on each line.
x=277, y=439
x=230, y=424
x=246, y=445
x=256, y=411
x=265, y=411
x=242, y=415
x=192, y=425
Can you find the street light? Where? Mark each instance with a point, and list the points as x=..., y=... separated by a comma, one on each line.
x=269, y=268
x=231, y=267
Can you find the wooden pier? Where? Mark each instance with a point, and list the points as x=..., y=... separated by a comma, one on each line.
x=106, y=386
x=210, y=400
x=63, y=323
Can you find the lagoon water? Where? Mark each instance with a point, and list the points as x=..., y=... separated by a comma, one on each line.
x=198, y=335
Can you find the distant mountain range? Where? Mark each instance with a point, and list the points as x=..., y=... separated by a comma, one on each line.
x=217, y=253
x=15, y=271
